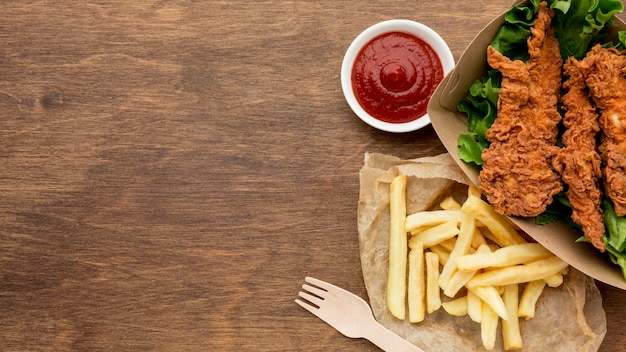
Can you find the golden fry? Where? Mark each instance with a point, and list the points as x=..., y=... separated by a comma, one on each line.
x=474, y=307
x=433, y=294
x=457, y=307
x=554, y=280
x=505, y=256
x=529, y=298
x=460, y=278
x=416, y=286
x=426, y=219
x=511, y=335
x=398, y=248
x=442, y=253
x=520, y=273
x=499, y=225
x=473, y=191
x=434, y=235
x=478, y=239
x=491, y=297
x=461, y=247
x=448, y=245
x=450, y=204
x=488, y=327
x=478, y=249
x=484, y=231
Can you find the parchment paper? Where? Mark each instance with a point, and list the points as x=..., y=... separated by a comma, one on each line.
x=568, y=318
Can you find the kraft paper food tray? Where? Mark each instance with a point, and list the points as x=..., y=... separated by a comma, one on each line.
x=449, y=124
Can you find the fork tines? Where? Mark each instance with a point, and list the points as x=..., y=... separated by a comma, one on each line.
x=313, y=295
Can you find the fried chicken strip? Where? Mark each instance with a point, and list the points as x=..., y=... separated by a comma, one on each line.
x=579, y=162
x=605, y=78
x=517, y=176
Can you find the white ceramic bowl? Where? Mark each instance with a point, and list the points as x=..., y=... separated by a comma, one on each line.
x=406, y=26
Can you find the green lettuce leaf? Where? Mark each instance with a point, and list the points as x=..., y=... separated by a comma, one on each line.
x=615, y=227
x=621, y=36
x=559, y=210
x=511, y=37
x=471, y=148
x=481, y=109
x=615, y=237
x=581, y=24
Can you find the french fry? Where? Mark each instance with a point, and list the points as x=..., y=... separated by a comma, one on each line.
x=457, y=307
x=450, y=204
x=530, y=296
x=442, y=253
x=433, y=294
x=448, y=245
x=435, y=235
x=554, y=280
x=484, y=231
x=491, y=297
x=511, y=335
x=426, y=219
x=478, y=249
x=473, y=191
x=520, y=273
x=416, y=285
x=488, y=327
x=461, y=247
x=474, y=307
x=505, y=256
x=478, y=239
x=398, y=248
x=460, y=278
x=499, y=225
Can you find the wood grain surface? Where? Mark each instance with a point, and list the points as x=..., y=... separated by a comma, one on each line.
x=170, y=171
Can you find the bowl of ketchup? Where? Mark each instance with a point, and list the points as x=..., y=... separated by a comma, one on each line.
x=391, y=70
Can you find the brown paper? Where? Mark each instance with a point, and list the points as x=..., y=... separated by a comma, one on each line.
x=449, y=124
x=568, y=318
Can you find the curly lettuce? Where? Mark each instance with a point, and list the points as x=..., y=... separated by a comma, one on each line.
x=511, y=38
x=615, y=237
x=480, y=107
x=581, y=24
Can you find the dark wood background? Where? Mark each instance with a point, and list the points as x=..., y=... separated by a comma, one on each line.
x=170, y=171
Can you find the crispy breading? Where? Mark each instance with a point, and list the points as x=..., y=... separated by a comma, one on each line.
x=579, y=162
x=604, y=71
x=517, y=176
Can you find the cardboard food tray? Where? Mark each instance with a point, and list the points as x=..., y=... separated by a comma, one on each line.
x=450, y=123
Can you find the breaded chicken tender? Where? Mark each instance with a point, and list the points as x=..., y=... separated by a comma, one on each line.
x=579, y=162
x=604, y=71
x=517, y=176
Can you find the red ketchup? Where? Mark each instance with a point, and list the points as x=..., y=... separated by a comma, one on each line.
x=394, y=76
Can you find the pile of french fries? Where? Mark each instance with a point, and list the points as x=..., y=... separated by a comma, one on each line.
x=474, y=256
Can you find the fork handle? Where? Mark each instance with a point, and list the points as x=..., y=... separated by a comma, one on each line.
x=388, y=341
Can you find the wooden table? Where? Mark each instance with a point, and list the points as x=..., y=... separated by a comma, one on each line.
x=172, y=170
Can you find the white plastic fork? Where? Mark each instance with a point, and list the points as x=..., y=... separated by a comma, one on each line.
x=350, y=315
